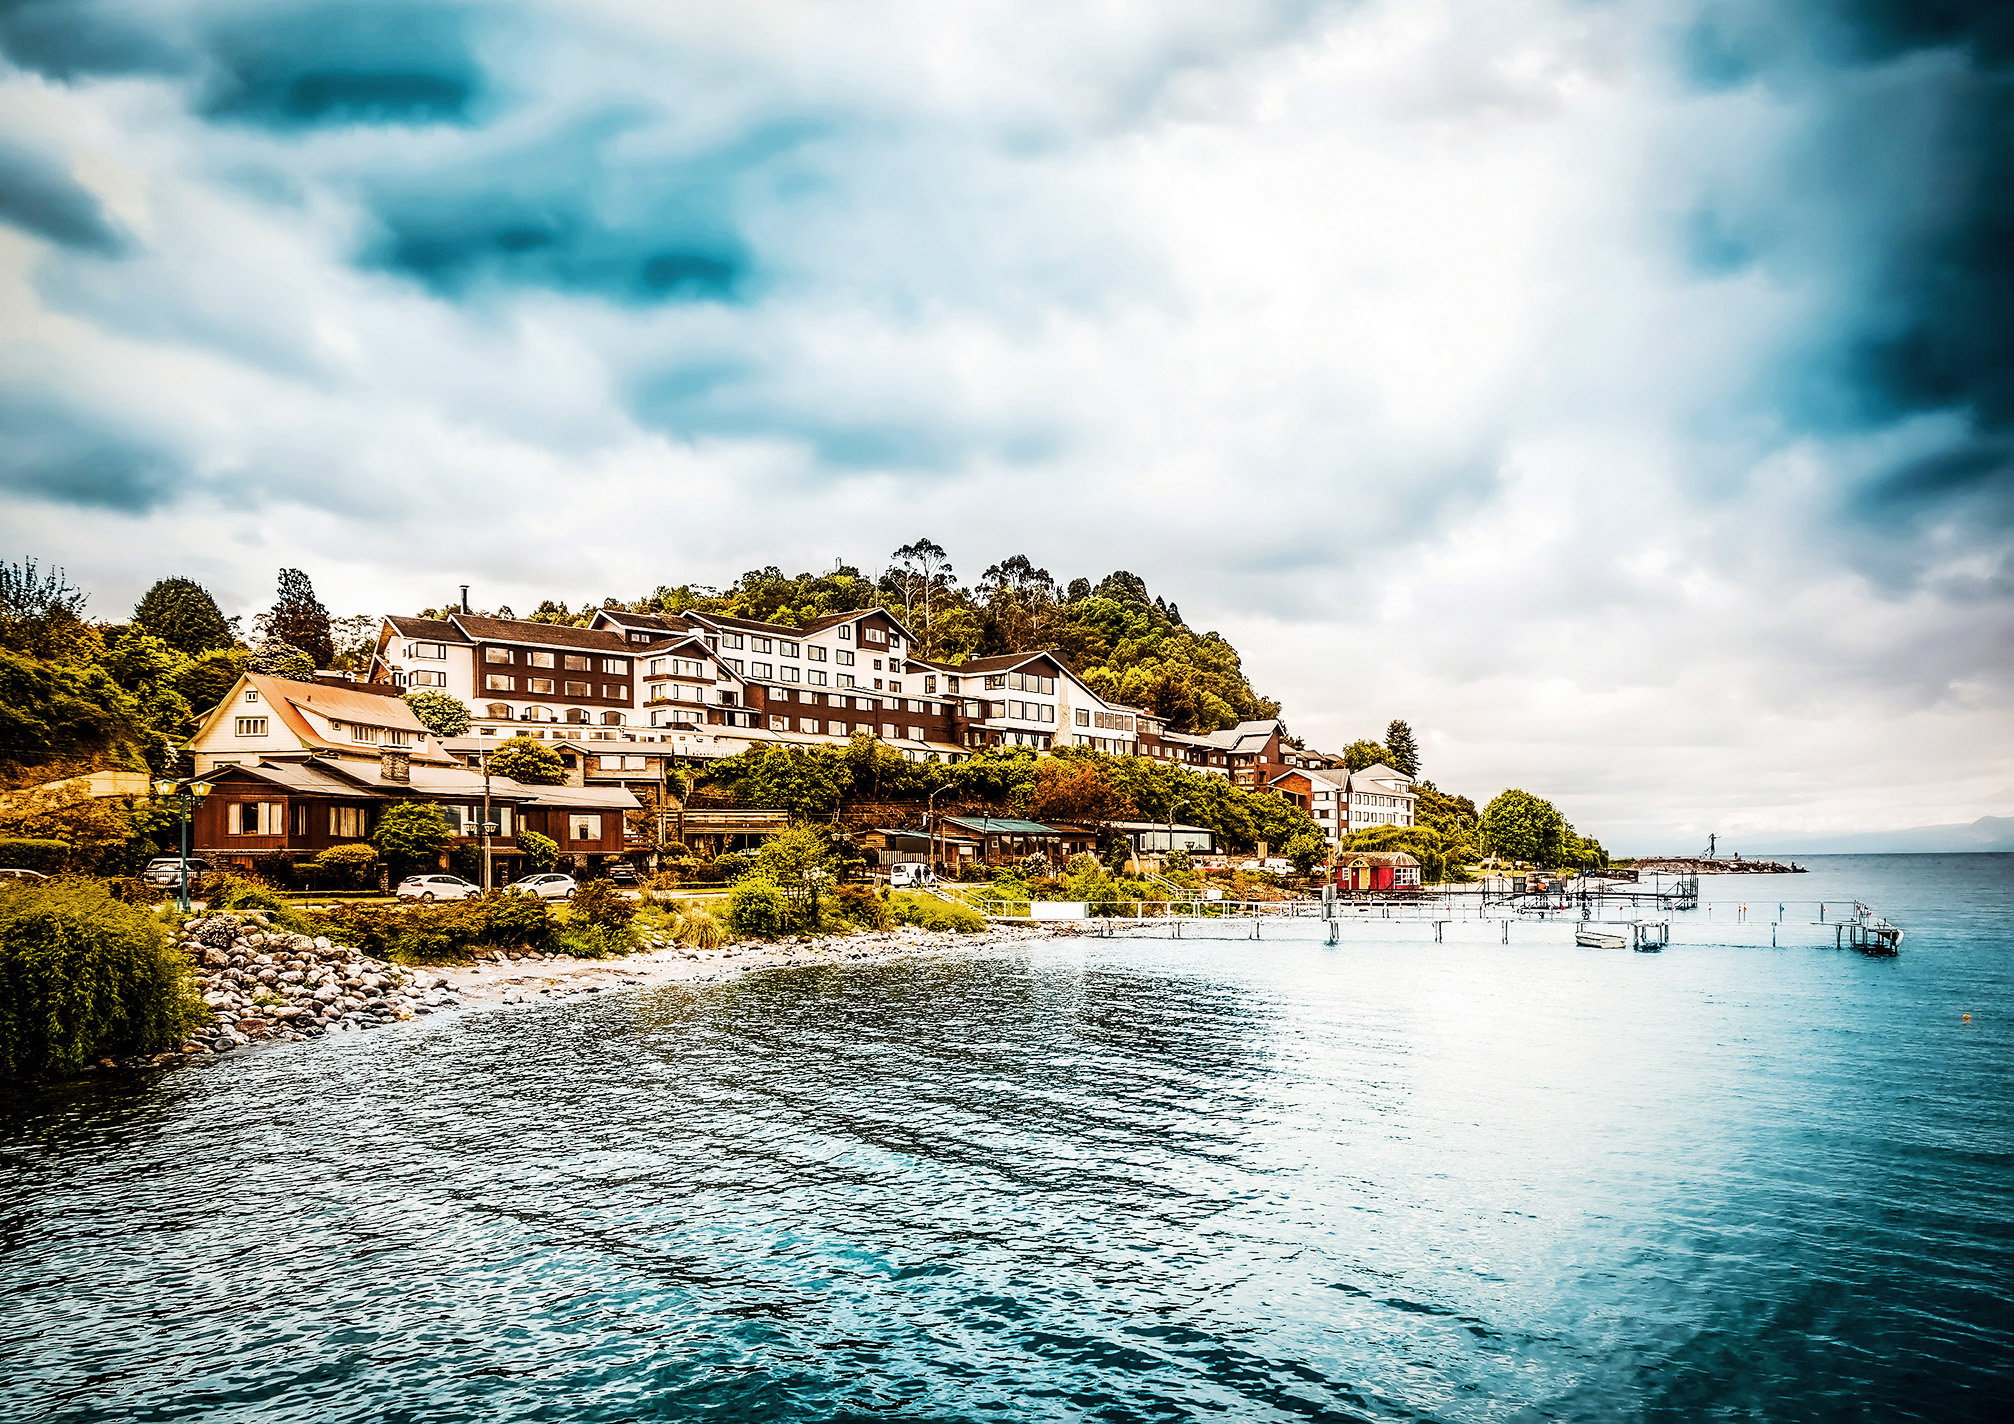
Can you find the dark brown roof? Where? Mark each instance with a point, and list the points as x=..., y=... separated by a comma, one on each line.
x=552, y=635
x=833, y=620
x=438, y=629
x=1006, y=662
x=751, y=625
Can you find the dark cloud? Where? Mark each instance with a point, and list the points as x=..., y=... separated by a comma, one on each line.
x=565, y=215
x=349, y=62
x=74, y=39
x=39, y=197
x=50, y=451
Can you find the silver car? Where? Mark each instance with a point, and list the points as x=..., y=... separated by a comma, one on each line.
x=166, y=870
x=437, y=887
x=549, y=886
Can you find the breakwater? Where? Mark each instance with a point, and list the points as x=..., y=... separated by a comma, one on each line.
x=1721, y=865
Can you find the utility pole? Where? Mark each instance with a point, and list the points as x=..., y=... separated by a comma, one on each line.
x=483, y=756
x=930, y=822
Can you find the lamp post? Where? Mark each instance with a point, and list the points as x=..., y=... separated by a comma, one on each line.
x=483, y=759
x=930, y=821
x=185, y=794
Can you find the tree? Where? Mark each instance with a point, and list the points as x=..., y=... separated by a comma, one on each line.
x=1360, y=754
x=42, y=616
x=1402, y=753
x=1305, y=850
x=1076, y=790
x=1520, y=826
x=411, y=834
x=298, y=619
x=274, y=658
x=921, y=571
x=441, y=713
x=349, y=865
x=181, y=613
x=527, y=760
x=541, y=851
x=799, y=863
x=207, y=677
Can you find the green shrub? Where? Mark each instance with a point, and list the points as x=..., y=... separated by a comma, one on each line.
x=221, y=890
x=541, y=851
x=350, y=866
x=83, y=976
x=598, y=902
x=592, y=941
x=758, y=909
x=508, y=918
x=930, y=913
x=405, y=932
x=35, y=853
x=857, y=905
x=699, y=928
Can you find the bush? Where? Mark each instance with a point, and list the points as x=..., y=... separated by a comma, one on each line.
x=221, y=890
x=509, y=918
x=541, y=851
x=699, y=928
x=35, y=853
x=405, y=932
x=83, y=976
x=597, y=902
x=351, y=866
x=591, y=941
x=930, y=913
x=857, y=905
x=757, y=909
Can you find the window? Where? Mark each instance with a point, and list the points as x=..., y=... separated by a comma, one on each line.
x=837, y=729
x=1083, y=716
x=496, y=655
x=779, y=724
x=540, y=659
x=251, y=726
x=575, y=662
x=611, y=719
x=761, y=670
x=846, y=632
x=498, y=682
x=579, y=689
x=583, y=827
x=253, y=818
x=396, y=738
x=538, y=684
x=618, y=666
x=426, y=677
x=363, y=734
x=818, y=677
x=845, y=659
x=877, y=665
x=347, y=821
x=815, y=653
x=930, y=684
x=251, y=694
x=788, y=650
x=894, y=687
x=863, y=729
x=760, y=645
x=916, y=734
x=846, y=680
x=436, y=651
x=791, y=674
x=498, y=710
x=889, y=732
x=615, y=691
x=894, y=643
x=807, y=724
x=730, y=640
x=734, y=665
x=577, y=716
x=996, y=681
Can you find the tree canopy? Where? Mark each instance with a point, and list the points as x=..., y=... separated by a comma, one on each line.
x=441, y=713
x=298, y=619
x=1402, y=753
x=527, y=760
x=181, y=613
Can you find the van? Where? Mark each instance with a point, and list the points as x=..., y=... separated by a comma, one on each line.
x=910, y=873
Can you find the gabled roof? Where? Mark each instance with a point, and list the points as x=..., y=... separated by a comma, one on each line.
x=1378, y=771
x=749, y=625
x=437, y=630
x=550, y=635
x=854, y=615
x=284, y=698
x=597, y=798
x=1008, y=662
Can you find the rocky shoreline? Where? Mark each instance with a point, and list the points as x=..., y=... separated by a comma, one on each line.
x=266, y=985
x=1700, y=865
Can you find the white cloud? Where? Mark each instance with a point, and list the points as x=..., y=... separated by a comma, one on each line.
x=1369, y=334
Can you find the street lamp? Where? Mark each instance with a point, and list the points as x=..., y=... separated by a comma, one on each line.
x=930, y=821
x=185, y=794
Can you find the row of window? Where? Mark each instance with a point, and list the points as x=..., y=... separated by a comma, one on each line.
x=579, y=716
x=504, y=682
x=784, y=648
x=1026, y=711
x=570, y=662
x=265, y=818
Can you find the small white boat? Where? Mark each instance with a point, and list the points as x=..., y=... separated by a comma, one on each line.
x=1594, y=937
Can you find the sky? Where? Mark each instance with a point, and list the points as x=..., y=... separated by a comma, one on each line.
x=1622, y=392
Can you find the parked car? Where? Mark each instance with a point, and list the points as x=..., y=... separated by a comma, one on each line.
x=908, y=873
x=436, y=887
x=550, y=886
x=11, y=874
x=1272, y=865
x=166, y=870
x=624, y=875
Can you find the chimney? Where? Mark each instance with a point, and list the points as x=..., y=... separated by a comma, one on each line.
x=395, y=766
x=465, y=598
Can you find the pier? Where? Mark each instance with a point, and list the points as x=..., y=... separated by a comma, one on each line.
x=1652, y=919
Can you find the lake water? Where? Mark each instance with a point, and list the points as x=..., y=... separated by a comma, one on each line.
x=1093, y=1180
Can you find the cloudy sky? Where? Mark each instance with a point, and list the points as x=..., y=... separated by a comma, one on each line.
x=1622, y=390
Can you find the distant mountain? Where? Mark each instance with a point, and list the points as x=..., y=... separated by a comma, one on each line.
x=1986, y=833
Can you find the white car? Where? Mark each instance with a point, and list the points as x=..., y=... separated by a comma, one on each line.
x=1272, y=864
x=23, y=875
x=550, y=886
x=437, y=887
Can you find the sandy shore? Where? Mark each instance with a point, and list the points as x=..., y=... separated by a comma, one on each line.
x=525, y=978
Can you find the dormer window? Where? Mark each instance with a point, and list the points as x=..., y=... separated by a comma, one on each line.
x=251, y=694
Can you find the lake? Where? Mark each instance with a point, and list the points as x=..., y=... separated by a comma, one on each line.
x=1083, y=1180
